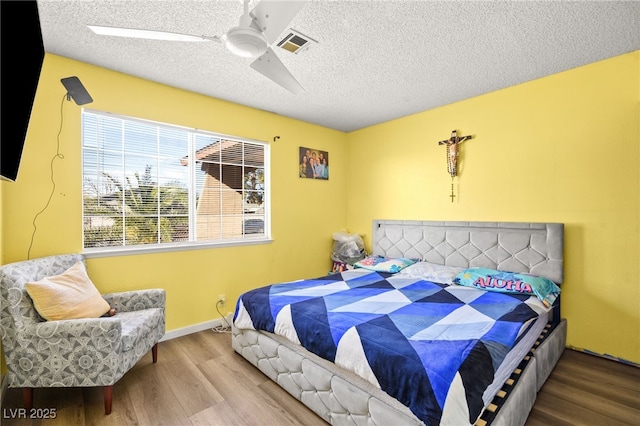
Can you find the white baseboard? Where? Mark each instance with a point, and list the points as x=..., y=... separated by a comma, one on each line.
x=207, y=325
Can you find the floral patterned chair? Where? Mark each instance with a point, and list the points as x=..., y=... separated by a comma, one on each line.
x=76, y=352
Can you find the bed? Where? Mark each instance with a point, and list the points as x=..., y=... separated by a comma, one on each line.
x=483, y=383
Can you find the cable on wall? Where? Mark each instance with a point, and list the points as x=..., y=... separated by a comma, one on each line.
x=77, y=92
x=57, y=155
x=225, y=327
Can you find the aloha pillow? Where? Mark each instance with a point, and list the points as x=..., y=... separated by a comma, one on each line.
x=509, y=282
x=432, y=272
x=384, y=264
x=67, y=296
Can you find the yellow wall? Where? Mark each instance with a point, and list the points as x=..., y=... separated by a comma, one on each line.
x=565, y=148
x=305, y=212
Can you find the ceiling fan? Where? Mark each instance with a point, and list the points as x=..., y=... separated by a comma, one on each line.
x=257, y=30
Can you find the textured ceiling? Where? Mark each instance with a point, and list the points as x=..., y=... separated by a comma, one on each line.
x=375, y=60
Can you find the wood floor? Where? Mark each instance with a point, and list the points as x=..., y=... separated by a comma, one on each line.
x=199, y=380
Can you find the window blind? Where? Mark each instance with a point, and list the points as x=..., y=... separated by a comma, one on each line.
x=151, y=184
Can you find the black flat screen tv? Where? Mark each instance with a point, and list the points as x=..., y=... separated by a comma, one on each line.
x=21, y=56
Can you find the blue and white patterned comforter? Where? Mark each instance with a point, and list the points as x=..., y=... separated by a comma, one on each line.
x=434, y=347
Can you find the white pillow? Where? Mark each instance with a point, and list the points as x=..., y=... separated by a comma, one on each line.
x=432, y=272
x=69, y=295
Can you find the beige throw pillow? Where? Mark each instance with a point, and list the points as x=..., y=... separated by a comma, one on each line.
x=67, y=296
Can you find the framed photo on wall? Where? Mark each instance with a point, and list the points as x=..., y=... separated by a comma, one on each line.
x=314, y=164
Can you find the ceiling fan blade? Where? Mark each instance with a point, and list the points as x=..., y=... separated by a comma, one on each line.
x=271, y=67
x=272, y=17
x=148, y=34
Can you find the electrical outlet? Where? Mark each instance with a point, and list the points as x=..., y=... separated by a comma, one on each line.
x=222, y=299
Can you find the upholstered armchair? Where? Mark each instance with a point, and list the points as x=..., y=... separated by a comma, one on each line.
x=73, y=352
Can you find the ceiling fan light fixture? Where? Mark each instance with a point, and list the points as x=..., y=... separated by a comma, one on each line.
x=247, y=42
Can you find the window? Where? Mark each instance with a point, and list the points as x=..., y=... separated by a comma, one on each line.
x=152, y=185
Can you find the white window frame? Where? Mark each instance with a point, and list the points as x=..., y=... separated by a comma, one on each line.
x=191, y=244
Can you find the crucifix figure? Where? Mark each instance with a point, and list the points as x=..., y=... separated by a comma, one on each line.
x=452, y=151
x=452, y=145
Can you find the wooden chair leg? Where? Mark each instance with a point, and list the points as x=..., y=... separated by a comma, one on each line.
x=108, y=397
x=27, y=395
x=154, y=353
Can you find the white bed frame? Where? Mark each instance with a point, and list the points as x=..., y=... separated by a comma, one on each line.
x=342, y=398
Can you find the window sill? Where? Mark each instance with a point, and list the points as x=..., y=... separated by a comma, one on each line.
x=167, y=248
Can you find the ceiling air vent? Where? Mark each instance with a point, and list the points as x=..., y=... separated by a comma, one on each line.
x=295, y=42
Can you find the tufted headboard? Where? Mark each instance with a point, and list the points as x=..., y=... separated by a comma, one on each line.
x=535, y=248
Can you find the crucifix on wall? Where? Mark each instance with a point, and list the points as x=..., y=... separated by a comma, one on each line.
x=453, y=144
